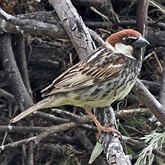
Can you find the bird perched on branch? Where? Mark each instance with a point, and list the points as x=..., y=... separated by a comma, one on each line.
x=101, y=78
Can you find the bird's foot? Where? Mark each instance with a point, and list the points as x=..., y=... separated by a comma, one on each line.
x=107, y=129
x=100, y=128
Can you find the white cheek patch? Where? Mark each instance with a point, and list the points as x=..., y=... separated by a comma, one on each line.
x=127, y=50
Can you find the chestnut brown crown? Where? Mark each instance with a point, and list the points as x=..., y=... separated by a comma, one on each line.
x=127, y=37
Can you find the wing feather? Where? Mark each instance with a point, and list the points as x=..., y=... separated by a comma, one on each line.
x=93, y=69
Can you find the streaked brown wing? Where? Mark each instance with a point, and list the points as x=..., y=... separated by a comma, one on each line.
x=100, y=66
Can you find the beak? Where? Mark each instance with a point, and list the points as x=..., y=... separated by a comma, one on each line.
x=141, y=42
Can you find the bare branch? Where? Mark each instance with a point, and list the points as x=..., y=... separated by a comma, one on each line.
x=13, y=75
x=149, y=100
x=142, y=13
x=22, y=63
x=30, y=26
x=110, y=143
x=74, y=27
x=22, y=129
x=128, y=113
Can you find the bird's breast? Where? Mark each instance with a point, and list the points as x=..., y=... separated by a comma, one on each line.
x=124, y=83
x=116, y=89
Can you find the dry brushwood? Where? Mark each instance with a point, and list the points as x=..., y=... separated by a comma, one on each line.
x=33, y=35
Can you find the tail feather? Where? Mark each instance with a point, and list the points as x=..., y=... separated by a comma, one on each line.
x=40, y=105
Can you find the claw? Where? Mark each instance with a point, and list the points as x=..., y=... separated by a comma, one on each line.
x=108, y=129
x=101, y=129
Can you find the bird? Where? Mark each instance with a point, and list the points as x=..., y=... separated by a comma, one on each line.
x=104, y=76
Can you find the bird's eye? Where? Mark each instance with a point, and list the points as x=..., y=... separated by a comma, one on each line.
x=129, y=41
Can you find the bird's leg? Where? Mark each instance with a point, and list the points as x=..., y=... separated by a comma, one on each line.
x=99, y=126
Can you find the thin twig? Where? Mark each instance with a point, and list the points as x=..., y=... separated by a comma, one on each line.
x=50, y=117
x=141, y=145
x=162, y=87
x=48, y=132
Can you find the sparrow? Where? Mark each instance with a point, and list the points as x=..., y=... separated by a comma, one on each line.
x=101, y=78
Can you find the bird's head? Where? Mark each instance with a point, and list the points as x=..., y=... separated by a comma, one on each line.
x=128, y=42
